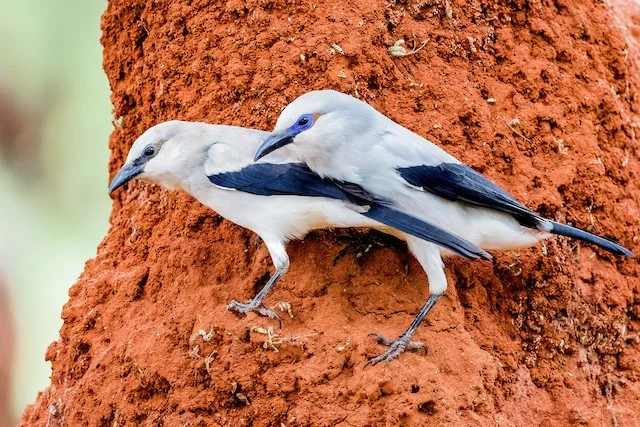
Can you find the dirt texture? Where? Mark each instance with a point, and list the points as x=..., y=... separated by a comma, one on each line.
x=541, y=96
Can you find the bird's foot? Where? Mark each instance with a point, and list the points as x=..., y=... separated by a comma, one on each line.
x=255, y=306
x=364, y=243
x=396, y=347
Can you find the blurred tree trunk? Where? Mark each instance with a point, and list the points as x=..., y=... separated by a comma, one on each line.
x=6, y=356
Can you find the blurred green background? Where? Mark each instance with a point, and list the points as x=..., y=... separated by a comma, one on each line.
x=55, y=118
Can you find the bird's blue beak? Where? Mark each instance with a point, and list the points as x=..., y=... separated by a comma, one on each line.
x=275, y=141
x=124, y=175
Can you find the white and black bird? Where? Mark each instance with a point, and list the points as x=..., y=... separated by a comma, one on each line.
x=342, y=138
x=279, y=200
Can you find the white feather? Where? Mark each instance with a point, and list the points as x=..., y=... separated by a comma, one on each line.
x=192, y=151
x=354, y=142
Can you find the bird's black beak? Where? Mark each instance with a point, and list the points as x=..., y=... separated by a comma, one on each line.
x=124, y=175
x=273, y=142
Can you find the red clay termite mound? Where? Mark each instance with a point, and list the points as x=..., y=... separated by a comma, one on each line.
x=540, y=96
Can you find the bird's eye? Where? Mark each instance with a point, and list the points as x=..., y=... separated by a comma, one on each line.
x=303, y=123
x=150, y=151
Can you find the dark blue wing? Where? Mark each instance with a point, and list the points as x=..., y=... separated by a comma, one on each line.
x=296, y=179
x=404, y=222
x=458, y=182
x=287, y=179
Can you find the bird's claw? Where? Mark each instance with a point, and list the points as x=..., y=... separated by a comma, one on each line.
x=250, y=306
x=396, y=347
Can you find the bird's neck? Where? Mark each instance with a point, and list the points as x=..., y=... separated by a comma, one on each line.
x=331, y=163
x=198, y=185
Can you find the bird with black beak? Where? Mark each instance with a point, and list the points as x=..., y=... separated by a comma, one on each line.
x=344, y=139
x=279, y=200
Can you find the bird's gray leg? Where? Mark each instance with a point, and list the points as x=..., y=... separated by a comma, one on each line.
x=255, y=303
x=402, y=343
x=428, y=255
x=281, y=261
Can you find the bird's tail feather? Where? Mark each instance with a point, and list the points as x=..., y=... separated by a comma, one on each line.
x=409, y=224
x=585, y=236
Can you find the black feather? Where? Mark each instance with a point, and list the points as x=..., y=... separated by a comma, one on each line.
x=416, y=227
x=576, y=233
x=457, y=182
x=266, y=179
x=292, y=179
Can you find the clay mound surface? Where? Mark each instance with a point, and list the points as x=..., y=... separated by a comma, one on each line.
x=542, y=97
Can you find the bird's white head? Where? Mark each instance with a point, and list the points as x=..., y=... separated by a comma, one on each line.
x=317, y=122
x=166, y=154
